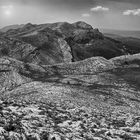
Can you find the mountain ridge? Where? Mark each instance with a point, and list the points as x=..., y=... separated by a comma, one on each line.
x=6, y=28
x=81, y=39
x=123, y=33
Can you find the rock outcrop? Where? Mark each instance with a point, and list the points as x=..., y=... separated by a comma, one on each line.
x=88, y=66
x=127, y=60
x=10, y=77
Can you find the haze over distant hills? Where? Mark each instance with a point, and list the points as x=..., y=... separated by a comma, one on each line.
x=108, y=32
x=122, y=33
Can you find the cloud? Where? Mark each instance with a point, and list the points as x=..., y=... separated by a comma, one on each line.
x=125, y=1
x=85, y=15
x=99, y=8
x=135, y=12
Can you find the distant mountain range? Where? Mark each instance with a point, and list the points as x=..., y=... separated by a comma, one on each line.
x=6, y=28
x=122, y=33
x=109, y=32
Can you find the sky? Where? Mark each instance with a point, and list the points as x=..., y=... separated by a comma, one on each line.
x=110, y=14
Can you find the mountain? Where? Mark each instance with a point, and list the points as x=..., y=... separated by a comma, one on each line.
x=123, y=33
x=130, y=43
x=5, y=29
x=62, y=42
x=63, y=81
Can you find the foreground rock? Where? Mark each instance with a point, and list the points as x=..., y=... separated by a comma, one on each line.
x=84, y=100
x=15, y=73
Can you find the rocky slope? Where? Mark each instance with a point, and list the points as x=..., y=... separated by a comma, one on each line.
x=131, y=44
x=5, y=29
x=52, y=51
x=85, y=100
x=15, y=73
x=46, y=96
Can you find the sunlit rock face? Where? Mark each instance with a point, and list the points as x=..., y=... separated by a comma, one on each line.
x=66, y=50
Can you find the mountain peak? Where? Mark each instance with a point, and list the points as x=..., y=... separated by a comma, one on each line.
x=82, y=24
x=29, y=25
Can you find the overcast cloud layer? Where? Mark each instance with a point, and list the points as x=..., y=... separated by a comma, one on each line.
x=116, y=14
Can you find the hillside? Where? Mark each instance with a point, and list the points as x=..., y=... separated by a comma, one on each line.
x=57, y=82
x=5, y=29
x=92, y=100
x=57, y=51
x=80, y=40
x=131, y=44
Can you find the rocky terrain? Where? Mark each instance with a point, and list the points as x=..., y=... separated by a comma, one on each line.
x=90, y=99
x=48, y=92
x=61, y=42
